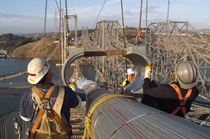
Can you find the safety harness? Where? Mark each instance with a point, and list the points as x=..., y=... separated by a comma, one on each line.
x=45, y=110
x=182, y=100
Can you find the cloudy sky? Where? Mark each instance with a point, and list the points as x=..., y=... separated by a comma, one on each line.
x=27, y=16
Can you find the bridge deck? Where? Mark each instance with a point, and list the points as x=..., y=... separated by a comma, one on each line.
x=77, y=121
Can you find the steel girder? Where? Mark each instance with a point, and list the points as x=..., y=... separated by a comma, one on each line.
x=169, y=42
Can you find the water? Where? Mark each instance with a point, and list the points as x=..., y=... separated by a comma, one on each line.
x=9, y=86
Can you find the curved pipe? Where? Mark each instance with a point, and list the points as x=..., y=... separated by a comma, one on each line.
x=136, y=54
x=74, y=53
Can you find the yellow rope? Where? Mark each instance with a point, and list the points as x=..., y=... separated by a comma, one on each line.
x=87, y=132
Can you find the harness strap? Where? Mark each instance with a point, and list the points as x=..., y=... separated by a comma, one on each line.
x=59, y=101
x=60, y=121
x=182, y=100
x=41, y=111
x=36, y=123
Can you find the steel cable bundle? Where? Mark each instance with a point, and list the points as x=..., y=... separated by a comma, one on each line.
x=124, y=118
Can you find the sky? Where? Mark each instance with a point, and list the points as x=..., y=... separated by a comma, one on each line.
x=27, y=16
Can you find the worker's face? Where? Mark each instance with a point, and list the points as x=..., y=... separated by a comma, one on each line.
x=50, y=75
x=130, y=77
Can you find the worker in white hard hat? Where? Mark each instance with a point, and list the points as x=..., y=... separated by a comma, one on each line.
x=130, y=76
x=175, y=98
x=46, y=105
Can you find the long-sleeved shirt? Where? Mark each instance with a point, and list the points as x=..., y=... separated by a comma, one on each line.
x=165, y=98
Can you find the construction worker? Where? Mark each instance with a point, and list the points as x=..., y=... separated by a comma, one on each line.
x=46, y=105
x=175, y=98
x=129, y=79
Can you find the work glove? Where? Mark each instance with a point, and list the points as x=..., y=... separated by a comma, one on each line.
x=174, y=75
x=82, y=82
x=73, y=86
x=147, y=71
x=86, y=85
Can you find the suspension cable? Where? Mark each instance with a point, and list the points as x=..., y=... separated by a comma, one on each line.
x=45, y=17
x=146, y=11
x=99, y=13
x=45, y=23
x=123, y=32
x=168, y=11
x=167, y=36
x=146, y=23
x=140, y=13
x=147, y=43
x=56, y=4
x=60, y=11
x=140, y=16
x=138, y=37
x=123, y=24
x=67, y=24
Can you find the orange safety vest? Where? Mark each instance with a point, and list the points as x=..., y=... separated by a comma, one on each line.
x=42, y=100
x=182, y=100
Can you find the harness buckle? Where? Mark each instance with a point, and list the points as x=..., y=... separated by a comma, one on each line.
x=183, y=101
x=45, y=105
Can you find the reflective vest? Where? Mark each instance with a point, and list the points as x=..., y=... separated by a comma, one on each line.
x=50, y=118
x=182, y=100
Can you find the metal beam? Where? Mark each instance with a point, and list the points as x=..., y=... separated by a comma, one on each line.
x=105, y=53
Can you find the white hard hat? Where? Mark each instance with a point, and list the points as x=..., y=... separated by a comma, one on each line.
x=37, y=68
x=130, y=71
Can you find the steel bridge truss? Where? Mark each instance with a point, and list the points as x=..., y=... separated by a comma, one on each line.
x=107, y=36
x=166, y=44
x=169, y=42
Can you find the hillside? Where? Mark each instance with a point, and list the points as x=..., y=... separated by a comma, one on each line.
x=9, y=42
x=40, y=48
x=45, y=46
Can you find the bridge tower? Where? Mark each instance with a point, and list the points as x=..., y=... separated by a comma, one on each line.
x=68, y=41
